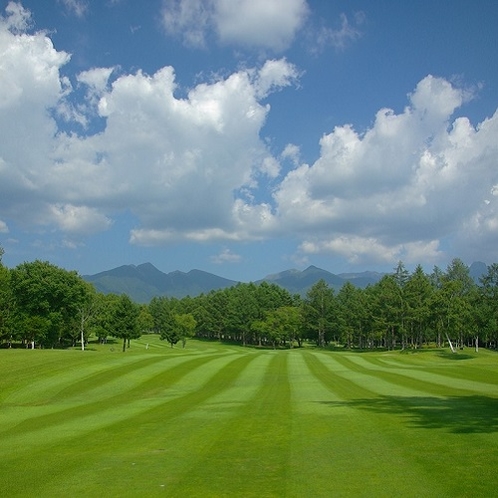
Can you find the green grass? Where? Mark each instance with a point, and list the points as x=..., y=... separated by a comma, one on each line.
x=217, y=420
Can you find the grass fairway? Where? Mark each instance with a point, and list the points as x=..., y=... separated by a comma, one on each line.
x=215, y=420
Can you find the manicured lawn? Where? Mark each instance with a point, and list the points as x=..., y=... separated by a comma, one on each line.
x=218, y=420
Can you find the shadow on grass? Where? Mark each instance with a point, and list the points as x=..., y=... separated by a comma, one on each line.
x=456, y=414
x=448, y=355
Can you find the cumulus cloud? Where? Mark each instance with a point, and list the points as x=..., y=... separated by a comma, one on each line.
x=31, y=88
x=274, y=74
x=82, y=220
x=264, y=24
x=178, y=164
x=3, y=227
x=18, y=19
x=196, y=169
x=395, y=191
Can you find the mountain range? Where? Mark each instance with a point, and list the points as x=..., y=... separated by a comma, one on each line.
x=145, y=281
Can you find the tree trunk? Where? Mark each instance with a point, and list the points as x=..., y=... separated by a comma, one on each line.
x=124, y=345
x=82, y=333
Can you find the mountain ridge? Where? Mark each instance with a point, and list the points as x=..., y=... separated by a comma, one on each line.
x=145, y=281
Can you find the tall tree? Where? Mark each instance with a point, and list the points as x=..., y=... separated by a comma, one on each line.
x=387, y=309
x=51, y=293
x=352, y=314
x=320, y=311
x=185, y=325
x=88, y=311
x=451, y=303
x=487, y=306
x=418, y=292
x=123, y=320
x=243, y=309
x=6, y=305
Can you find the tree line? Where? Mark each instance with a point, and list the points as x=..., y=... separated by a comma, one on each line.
x=42, y=305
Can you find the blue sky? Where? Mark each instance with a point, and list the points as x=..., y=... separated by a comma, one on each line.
x=245, y=137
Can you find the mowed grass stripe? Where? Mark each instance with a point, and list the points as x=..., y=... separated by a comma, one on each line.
x=317, y=434
x=46, y=395
x=149, y=389
x=374, y=451
x=75, y=382
x=121, y=433
x=22, y=369
x=330, y=432
x=467, y=365
x=437, y=383
x=251, y=456
x=437, y=438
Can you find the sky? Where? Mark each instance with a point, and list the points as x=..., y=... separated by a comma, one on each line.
x=247, y=137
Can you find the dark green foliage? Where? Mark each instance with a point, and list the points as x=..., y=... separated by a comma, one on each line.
x=49, y=295
x=6, y=304
x=320, y=312
x=123, y=320
x=43, y=305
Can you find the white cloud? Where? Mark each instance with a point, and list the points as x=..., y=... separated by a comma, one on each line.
x=31, y=88
x=275, y=74
x=194, y=168
x=360, y=250
x=268, y=24
x=292, y=153
x=77, y=7
x=96, y=79
x=3, y=227
x=396, y=191
x=175, y=163
x=226, y=256
x=18, y=19
x=338, y=38
x=262, y=24
x=81, y=220
x=190, y=19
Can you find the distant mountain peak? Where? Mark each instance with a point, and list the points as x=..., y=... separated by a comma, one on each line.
x=145, y=281
x=146, y=266
x=312, y=268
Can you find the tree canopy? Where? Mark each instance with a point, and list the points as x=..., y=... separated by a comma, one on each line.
x=42, y=305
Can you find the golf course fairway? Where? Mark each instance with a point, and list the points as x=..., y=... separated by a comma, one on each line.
x=215, y=420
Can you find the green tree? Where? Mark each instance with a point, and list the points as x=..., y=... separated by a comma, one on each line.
x=387, y=310
x=286, y=325
x=486, y=307
x=145, y=320
x=88, y=311
x=185, y=326
x=418, y=292
x=162, y=311
x=123, y=320
x=352, y=314
x=243, y=310
x=6, y=303
x=320, y=311
x=451, y=303
x=51, y=293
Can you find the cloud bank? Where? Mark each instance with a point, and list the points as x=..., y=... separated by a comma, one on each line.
x=193, y=168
